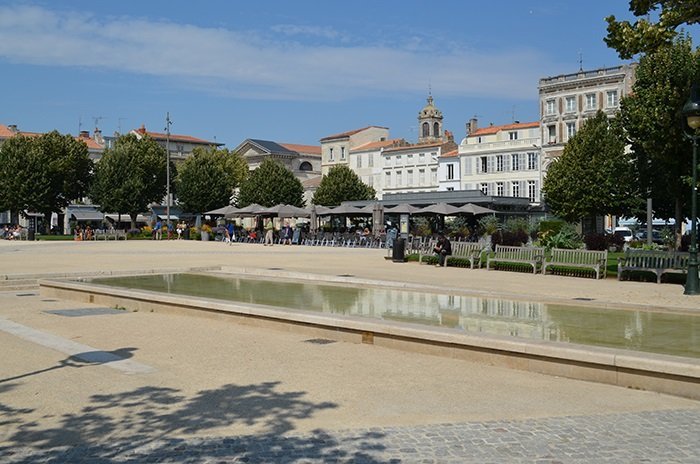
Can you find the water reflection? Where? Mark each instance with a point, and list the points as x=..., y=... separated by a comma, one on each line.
x=677, y=334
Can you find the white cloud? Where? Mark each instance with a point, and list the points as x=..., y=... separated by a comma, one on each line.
x=247, y=65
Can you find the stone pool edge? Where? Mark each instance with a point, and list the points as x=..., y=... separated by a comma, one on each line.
x=645, y=371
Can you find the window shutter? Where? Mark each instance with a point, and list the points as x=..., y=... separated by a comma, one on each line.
x=467, y=166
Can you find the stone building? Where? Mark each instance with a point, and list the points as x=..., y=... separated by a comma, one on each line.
x=304, y=161
x=567, y=100
x=335, y=149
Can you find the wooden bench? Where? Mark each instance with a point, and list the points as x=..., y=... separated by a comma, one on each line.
x=587, y=259
x=470, y=251
x=425, y=248
x=658, y=262
x=512, y=254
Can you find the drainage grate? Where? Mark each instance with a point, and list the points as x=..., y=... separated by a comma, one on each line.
x=346, y=275
x=319, y=341
x=49, y=300
x=275, y=269
x=26, y=294
x=583, y=299
x=84, y=312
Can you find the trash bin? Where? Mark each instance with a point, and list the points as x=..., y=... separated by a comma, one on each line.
x=398, y=252
x=31, y=235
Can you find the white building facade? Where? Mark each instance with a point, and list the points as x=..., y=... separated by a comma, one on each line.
x=502, y=161
x=367, y=162
x=335, y=149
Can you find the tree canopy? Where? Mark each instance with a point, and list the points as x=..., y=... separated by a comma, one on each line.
x=271, y=184
x=645, y=34
x=130, y=176
x=342, y=184
x=594, y=175
x=43, y=174
x=651, y=117
x=207, y=179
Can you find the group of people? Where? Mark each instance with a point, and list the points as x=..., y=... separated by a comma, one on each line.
x=181, y=229
x=83, y=233
x=11, y=232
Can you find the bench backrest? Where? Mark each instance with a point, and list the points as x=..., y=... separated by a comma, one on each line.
x=656, y=259
x=465, y=248
x=578, y=256
x=519, y=253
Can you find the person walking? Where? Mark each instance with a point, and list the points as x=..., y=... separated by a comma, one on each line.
x=269, y=232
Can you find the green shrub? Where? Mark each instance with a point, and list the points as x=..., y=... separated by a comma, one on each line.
x=488, y=225
x=566, y=237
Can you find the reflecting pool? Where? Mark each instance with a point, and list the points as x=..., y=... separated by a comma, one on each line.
x=656, y=332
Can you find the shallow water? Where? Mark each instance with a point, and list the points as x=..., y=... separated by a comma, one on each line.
x=656, y=332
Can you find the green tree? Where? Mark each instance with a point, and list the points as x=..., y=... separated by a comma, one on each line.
x=594, y=176
x=342, y=184
x=43, y=174
x=271, y=184
x=130, y=176
x=207, y=179
x=651, y=117
x=646, y=35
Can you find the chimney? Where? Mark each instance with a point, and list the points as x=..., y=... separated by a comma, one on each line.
x=13, y=128
x=450, y=137
x=84, y=134
x=142, y=129
x=98, y=136
x=472, y=125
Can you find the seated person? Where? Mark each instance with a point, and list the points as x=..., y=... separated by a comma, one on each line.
x=442, y=249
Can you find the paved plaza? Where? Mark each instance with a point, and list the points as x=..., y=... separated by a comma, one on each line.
x=81, y=383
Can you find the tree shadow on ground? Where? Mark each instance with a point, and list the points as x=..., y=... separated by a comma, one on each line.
x=154, y=424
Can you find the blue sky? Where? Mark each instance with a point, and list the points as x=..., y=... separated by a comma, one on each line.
x=288, y=71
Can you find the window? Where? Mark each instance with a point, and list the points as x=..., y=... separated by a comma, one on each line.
x=552, y=134
x=342, y=153
x=433, y=176
x=532, y=190
x=515, y=188
x=532, y=161
x=330, y=154
x=483, y=164
x=570, y=129
x=409, y=159
x=500, y=189
x=450, y=171
x=478, y=139
x=426, y=130
x=612, y=98
x=370, y=181
x=421, y=177
x=591, y=102
x=484, y=187
x=359, y=160
x=450, y=189
x=399, y=178
x=370, y=159
x=570, y=104
x=500, y=162
x=421, y=158
x=515, y=162
x=398, y=160
x=513, y=135
x=550, y=107
x=387, y=161
x=387, y=179
x=306, y=166
x=436, y=129
x=409, y=177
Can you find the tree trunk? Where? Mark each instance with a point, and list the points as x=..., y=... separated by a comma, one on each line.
x=132, y=216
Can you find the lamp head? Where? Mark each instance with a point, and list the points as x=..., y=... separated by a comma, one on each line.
x=691, y=109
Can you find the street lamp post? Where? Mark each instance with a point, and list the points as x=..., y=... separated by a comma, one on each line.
x=168, y=122
x=691, y=113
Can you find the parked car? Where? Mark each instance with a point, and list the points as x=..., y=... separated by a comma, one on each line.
x=655, y=236
x=624, y=232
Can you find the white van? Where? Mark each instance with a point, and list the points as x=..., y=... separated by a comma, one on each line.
x=624, y=232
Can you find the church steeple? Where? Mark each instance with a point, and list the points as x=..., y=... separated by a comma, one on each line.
x=430, y=123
